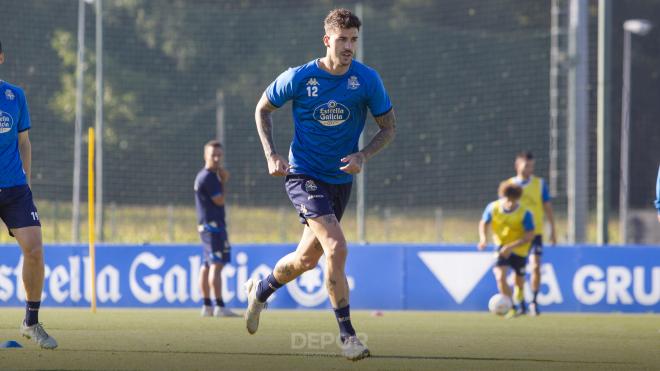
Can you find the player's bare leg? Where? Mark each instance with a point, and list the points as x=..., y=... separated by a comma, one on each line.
x=329, y=233
x=503, y=287
x=500, y=279
x=215, y=283
x=305, y=258
x=288, y=268
x=29, y=239
x=535, y=262
x=205, y=288
x=520, y=293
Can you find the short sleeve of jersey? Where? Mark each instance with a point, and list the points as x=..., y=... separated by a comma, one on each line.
x=281, y=90
x=211, y=185
x=24, y=114
x=545, y=191
x=487, y=216
x=379, y=102
x=528, y=221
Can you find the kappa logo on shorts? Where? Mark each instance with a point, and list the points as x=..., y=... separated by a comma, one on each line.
x=310, y=186
x=9, y=94
x=6, y=122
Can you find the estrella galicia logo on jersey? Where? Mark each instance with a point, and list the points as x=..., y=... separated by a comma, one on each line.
x=332, y=113
x=353, y=83
x=9, y=94
x=6, y=122
x=310, y=186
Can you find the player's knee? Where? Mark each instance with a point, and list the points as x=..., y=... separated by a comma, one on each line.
x=34, y=252
x=336, y=252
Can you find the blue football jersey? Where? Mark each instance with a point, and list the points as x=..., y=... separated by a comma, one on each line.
x=14, y=118
x=209, y=215
x=329, y=113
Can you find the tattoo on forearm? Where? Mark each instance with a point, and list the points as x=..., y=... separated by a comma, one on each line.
x=265, y=130
x=385, y=135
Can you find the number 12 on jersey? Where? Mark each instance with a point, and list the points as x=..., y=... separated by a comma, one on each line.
x=312, y=91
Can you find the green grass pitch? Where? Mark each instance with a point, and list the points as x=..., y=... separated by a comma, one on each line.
x=167, y=339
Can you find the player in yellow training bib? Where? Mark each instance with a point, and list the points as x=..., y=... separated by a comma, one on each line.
x=536, y=198
x=513, y=230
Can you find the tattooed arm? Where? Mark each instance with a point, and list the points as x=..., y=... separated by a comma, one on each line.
x=383, y=137
x=277, y=165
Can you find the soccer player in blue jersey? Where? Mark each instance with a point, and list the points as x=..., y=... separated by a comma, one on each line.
x=330, y=97
x=17, y=210
x=210, y=205
x=536, y=198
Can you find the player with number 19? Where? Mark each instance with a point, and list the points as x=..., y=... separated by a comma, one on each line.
x=17, y=209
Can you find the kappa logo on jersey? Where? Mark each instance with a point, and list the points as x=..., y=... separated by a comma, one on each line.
x=353, y=83
x=312, y=82
x=310, y=186
x=6, y=122
x=9, y=94
x=332, y=113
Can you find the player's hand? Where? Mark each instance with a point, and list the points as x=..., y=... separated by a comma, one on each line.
x=505, y=252
x=482, y=245
x=223, y=174
x=277, y=165
x=353, y=163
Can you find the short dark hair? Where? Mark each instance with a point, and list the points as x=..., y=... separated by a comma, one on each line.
x=510, y=190
x=525, y=155
x=213, y=143
x=0, y=46
x=341, y=18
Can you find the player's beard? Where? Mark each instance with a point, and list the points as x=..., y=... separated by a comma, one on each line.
x=345, y=60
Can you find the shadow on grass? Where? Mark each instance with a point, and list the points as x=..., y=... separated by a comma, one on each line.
x=337, y=355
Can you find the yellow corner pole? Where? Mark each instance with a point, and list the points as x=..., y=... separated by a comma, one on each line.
x=90, y=212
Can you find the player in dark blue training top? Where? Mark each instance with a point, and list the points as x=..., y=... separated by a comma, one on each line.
x=17, y=210
x=330, y=98
x=210, y=205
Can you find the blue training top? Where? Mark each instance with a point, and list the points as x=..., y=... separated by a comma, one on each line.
x=329, y=112
x=209, y=215
x=14, y=118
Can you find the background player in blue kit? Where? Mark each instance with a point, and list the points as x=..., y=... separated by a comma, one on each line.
x=17, y=210
x=330, y=97
x=210, y=205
